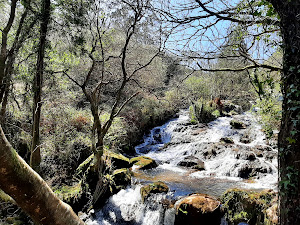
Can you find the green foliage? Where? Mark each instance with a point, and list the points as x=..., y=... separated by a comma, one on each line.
x=203, y=112
x=270, y=114
x=247, y=206
x=196, y=87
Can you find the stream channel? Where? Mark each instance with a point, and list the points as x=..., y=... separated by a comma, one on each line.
x=247, y=162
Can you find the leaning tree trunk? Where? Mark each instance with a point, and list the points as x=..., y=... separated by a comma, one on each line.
x=289, y=137
x=35, y=157
x=30, y=191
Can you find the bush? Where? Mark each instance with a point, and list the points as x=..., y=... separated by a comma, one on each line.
x=202, y=112
x=269, y=111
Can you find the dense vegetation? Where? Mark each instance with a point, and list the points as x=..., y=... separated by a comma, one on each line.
x=80, y=77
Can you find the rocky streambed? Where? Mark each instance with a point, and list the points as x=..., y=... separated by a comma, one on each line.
x=209, y=159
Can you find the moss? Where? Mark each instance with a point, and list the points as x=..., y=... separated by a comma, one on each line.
x=14, y=221
x=227, y=140
x=117, y=160
x=84, y=165
x=121, y=178
x=237, y=124
x=66, y=193
x=5, y=197
x=143, y=162
x=156, y=187
x=247, y=206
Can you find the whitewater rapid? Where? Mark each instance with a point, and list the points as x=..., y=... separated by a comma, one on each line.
x=250, y=164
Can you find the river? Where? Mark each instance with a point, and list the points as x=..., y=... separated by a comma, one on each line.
x=232, y=158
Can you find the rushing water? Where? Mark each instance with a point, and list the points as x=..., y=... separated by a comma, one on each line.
x=248, y=162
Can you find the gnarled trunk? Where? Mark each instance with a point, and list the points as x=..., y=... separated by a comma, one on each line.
x=289, y=137
x=30, y=191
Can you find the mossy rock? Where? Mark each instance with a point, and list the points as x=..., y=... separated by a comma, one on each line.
x=237, y=124
x=118, y=161
x=121, y=178
x=156, y=187
x=143, y=162
x=84, y=165
x=198, y=207
x=73, y=195
x=247, y=206
x=227, y=140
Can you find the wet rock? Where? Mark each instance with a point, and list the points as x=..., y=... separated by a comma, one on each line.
x=154, y=188
x=121, y=178
x=198, y=131
x=157, y=136
x=192, y=162
x=237, y=124
x=143, y=162
x=226, y=140
x=252, y=169
x=244, y=206
x=263, y=148
x=245, y=140
x=251, y=157
x=198, y=209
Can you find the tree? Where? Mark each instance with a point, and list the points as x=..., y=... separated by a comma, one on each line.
x=110, y=75
x=35, y=157
x=30, y=191
x=262, y=23
x=289, y=136
x=17, y=30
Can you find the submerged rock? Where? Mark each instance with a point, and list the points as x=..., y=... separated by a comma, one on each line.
x=198, y=209
x=154, y=188
x=143, y=162
x=192, y=162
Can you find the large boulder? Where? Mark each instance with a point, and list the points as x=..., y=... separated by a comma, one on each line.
x=192, y=162
x=121, y=178
x=143, y=162
x=154, y=188
x=254, y=168
x=117, y=160
x=198, y=209
x=249, y=206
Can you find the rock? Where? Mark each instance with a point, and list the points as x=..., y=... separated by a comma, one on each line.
x=244, y=206
x=198, y=131
x=143, y=162
x=251, y=157
x=245, y=140
x=252, y=169
x=198, y=209
x=154, y=188
x=227, y=140
x=237, y=124
x=118, y=161
x=193, y=162
x=121, y=178
x=272, y=214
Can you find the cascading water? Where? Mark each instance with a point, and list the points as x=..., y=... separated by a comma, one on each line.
x=244, y=161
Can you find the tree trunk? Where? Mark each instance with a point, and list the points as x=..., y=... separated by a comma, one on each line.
x=289, y=137
x=35, y=157
x=30, y=191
